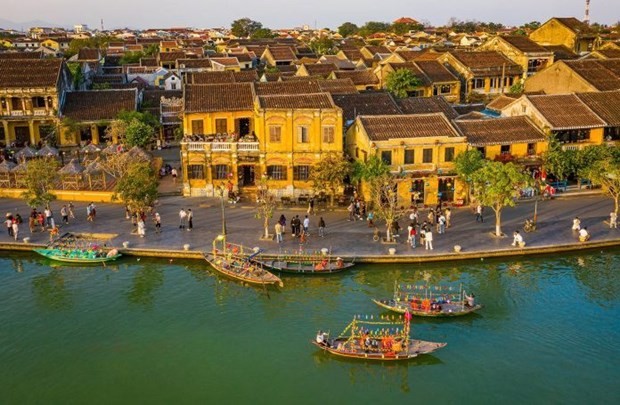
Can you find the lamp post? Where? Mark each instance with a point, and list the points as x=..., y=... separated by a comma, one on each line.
x=221, y=193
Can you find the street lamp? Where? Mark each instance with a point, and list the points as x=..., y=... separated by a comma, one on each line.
x=220, y=190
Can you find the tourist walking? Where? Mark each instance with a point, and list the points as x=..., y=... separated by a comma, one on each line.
x=282, y=222
x=412, y=235
x=141, y=227
x=182, y=218
x=613, y=220
x=431, y=217
x=32, y=221
x=190, y=219
x=351, y=210
x=306, y=224
x=15, y=228
x=442, y=223
x=428, y=239
x=448, y=214
x=174, y=174
x=311, y=206
x=70, y=208
x=370, y=218
x=479, y=213
x=157, y=222
x=64, y=213
x=49, y=217
x=321, y=227
x=278, y=229
x=576, y=224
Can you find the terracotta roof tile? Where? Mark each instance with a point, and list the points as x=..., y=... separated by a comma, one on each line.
x=575, y=25
x=435, y=71
x=560, y=52
x=352, y=54
x=301, y=86
x=323, y=69
x=385, y=127
x=282, y=53
x=426, y=105
x=98, y=105
x=219, y=97
x=565, y=111
x=378, y=103
x=171, y=56
x=210, y=77
x=602, y=74
x=359, y=77
x=605, y=104
x=290, y=101
x=524, y=44
x=226, y=61
x=338, y=86
x=86, y=54
x=500, y=131
x=29, y=72
x=246, y=76
x=21, y=55
x=194, y=63
x=487, y=63
x=609, y=53
x=499, y=102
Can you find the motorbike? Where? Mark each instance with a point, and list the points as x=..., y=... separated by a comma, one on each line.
x=529, y=226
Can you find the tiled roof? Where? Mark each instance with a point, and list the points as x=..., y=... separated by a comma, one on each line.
x=16, y=73
x=282, y=53
x=500, y=131
x=499, y=102
x=575, y=25
x=605, y=104
x=408, y=56
x=384, y=127
x=246, y=76
x=109, y=78
x=241, y=57
x=287, y=69
x=413, y=68
x=302, y=86
x=352, y=54
x=151, y=99
x=210, y=77
x=98, y=105
x=565, y=111
x=366, y=104
x=524, y=44
x=560, y=52
x=435, y=71
x=323, y=69
x=344, y=64
x=487, y=63
x=21, y=55
x=338, y=86
x=359, y=77
x=148, y=61
x=226, y=61
x=219, y=97
x=171, y=56
x=194, y=63
x=376, y=49
x=88, y=54
x=609, y=53
x=426, y=105
x=311, y=101
x=602, y=74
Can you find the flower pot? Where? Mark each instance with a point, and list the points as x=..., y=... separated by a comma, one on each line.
x=26, y=240
x=324, y=251
x=392, y=251
x=126, y=244
x=186, y=246
x=457, y=248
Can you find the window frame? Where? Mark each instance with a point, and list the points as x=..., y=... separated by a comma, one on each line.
x=427, y=155
x=218, y=125
x=277, y=172
x=221, y=172
x=275, y=137
x=301, y=172
x=386, y=157
x=328, y=133
x=448, y=155
x=303, y=134
x=410, y=153
x=196, y=172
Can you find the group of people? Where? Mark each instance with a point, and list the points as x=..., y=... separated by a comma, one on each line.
x=299, y=228
x=186, y=219
x=438, y=217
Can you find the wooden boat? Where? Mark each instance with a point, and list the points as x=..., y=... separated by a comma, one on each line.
x=239, y=267
x=429, y=301
x=385, y=344
x=79, y=255
x=307, y=263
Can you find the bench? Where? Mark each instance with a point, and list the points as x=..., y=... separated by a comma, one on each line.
x=559, y=185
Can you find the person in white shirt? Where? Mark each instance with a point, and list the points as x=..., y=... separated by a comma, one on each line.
x=613, y=220
x=576, y=224
x=584, y=235
x=517, y=239
x=306, y=224
x=428, y=239
x=182, y=218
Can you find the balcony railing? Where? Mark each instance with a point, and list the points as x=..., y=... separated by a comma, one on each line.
x=17, y=113
x=41, y=112
x=248, y=147
x=196, y=146
x=221, y=146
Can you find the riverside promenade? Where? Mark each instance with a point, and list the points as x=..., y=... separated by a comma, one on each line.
x=348, y=239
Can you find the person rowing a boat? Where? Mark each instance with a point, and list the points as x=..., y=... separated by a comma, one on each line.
x=321, y=339
x=470, y=300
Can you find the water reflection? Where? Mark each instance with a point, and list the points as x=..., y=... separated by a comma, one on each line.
x=599, y=276
x=51, y=292
x=146, y=281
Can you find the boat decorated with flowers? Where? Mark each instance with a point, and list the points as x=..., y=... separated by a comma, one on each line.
x=238, y=264
x=77, y=248
x=430, y=300
x=383, y=339
x=312, y=263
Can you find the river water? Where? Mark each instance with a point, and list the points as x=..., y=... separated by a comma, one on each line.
x=154, y=331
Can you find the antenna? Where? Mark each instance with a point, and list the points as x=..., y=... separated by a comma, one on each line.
x=102, y=24
x=586, y=19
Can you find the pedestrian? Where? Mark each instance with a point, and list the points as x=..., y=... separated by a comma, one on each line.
x=157, y=223
x=479, y=216
x=321, y=227
x=41, y=220
x=32, y=221
x=190, y=219
x=15, y=228
x=448, y=215
x=64, y=213
x=431, y=217
x=70, y=207
x=428, y=239
x=412, y=235
x=442, y=223
x=613, y=220
x=182, y=218
x=517, y=239
x=174, y=174
x=282, y=222
x=306, y=224
x=311, y=206
x=141, y=228
x=93, y=212
x=293, y=227
x=351, y=209
x=278, y=229
x=49, y=217
x=127, y=212
x=297, y=226
x=89, y=213
x=576, y=224
x=370, y=218
x=409, y=228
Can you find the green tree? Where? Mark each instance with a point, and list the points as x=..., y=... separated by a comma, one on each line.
x=329, y=174
x=347, y=29
x=384, y=195
x=402, y=82
x=138, y=133
x=323, y=46
x=244, y=27
x=369, y=170
x=41, y=176
x=606, y=173
x=466, y=164
x=557, y=161
x=263, y=33
x=403, y=28
x=76, y=72
x=587, y=158
x=373, y=27
x=137, y=188
x=151, y=50
x=497, y=185
x=266, y=205
x=130, y=57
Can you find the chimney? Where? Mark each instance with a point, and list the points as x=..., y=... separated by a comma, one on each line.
x=586, y=19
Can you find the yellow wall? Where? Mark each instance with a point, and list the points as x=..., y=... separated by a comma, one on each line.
x=554, y=33
x=66, y=195
x=515, y=55
x=557, y=79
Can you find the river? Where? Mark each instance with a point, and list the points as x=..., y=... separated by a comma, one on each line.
x=154, y=331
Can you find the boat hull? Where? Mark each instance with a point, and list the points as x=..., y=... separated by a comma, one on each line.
x=447, y=311
x=299, y=268
x=416, y=348
x=82, y=260
x=265, y=278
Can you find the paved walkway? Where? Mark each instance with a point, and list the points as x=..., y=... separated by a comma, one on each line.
x=343, y=237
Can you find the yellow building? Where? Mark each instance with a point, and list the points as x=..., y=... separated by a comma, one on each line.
x=52, y=44
x=570, y=32
x=237, y=135
x=568, y=76
x=420, y=148
x=528, y=54
x=30, y=94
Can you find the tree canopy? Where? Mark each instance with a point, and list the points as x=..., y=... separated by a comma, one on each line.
x=466, y=164
x=244, y=27
x=41, y=176
x=402, y=82
x=347, y=29
x=328, y=175
x=137, y=188
x=323, y=46
x=262, y=33
x=606, y=173
x=373, y=27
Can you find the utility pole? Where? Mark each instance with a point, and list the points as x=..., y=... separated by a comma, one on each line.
x=586, y=19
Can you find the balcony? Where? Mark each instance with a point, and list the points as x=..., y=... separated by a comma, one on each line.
x=221, y=146
x=17, y=113
x=225, y=147
x=248, y=147
x=40, y=112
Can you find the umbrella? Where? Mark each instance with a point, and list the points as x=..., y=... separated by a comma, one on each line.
x=47, y=151
x=72, y=168
x=26, y=152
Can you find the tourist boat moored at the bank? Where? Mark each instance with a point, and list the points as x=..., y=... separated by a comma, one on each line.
x=79, y=255
x=385, y=341
x=430, y=301
x=307, y=263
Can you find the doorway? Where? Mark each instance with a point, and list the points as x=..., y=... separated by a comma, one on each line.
x=242, y=126
x=22, y=136
x=246, y=175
